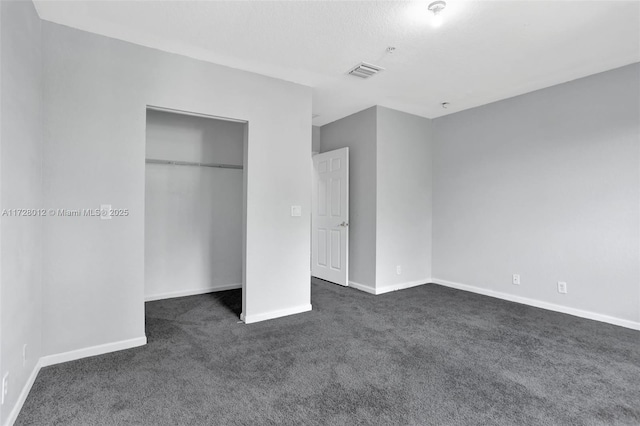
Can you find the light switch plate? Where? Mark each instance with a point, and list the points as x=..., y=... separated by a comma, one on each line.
x=296, y=211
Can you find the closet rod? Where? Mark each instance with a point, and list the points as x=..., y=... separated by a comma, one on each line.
x=189, y=163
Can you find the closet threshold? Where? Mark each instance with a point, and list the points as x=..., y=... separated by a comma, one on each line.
x=190, y=163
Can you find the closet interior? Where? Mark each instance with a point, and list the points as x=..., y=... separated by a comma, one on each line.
x=193, y=204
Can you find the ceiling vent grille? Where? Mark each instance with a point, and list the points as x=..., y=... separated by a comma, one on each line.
x=365, y=70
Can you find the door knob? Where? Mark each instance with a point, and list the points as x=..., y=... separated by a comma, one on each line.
x=345, y=224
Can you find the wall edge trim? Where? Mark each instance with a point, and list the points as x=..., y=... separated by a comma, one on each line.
x=24, y=393
x=362, y=287
x=540, y=304
x=191, y=292
x=401, y=286
x=90, y=351
x=388, y=288
x=250, y=319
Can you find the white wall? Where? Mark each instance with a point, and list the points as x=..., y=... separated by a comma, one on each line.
x=545, y=185
x=96, y=93
x=193, y=215
x=403, y=199
x=358, y=132
x=21, y=183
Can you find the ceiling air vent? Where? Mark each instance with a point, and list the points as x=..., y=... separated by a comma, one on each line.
x=365, y=70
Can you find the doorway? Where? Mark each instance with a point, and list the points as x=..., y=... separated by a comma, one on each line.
x=330, y=217
x=195, y=194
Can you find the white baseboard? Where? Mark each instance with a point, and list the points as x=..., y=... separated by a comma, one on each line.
x=389, y=288
x=249, y=319
x=92, y=351
x=13, y=414
x=64, y=357
x=540, y=304
x=362, y=287
x=401, y=286
x=182, y=293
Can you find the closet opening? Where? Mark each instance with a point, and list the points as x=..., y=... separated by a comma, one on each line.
x=195, y=211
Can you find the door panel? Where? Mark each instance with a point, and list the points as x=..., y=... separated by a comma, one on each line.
x=322, y=247
x=330, y=217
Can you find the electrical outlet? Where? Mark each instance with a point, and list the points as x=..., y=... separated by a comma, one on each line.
x=399, y=269
x=5, y=386
x=516, y=279
x=24, y=355
x=562, y=287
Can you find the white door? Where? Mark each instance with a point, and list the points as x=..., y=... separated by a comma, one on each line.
x=330, y=217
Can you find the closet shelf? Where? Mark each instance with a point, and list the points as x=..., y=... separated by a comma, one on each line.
x=190, y=163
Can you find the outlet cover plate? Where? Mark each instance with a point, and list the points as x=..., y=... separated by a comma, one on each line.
x=562, y=287
x=5, y=386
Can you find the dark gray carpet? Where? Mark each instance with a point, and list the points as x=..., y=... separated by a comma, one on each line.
x=423, y=356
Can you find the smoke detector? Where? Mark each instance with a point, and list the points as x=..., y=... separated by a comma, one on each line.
x=365, y=70
x=437, y=7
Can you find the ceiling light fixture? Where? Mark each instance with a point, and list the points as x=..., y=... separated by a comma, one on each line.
x=436, y=7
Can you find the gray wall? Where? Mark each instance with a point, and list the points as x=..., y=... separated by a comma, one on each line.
x=545, y=185
x=403, y=224
x=193, y=215
x=389, y=195
x=172, y=136
x=95, y=98
x=358, y=132
x=315, y=139
x=21, y=188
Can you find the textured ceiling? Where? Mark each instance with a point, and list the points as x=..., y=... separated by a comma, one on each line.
x=484, y=51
